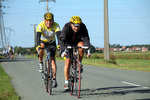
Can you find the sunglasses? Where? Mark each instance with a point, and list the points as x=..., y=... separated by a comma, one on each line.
x=49, y=20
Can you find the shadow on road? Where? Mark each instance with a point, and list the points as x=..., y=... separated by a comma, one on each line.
x=110, y=91
x=16, y=59
x=143, y=99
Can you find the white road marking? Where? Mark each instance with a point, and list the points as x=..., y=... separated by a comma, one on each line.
x=134, y=84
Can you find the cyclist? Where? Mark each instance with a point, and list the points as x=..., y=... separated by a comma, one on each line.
x=46, y=31
x=11, y=51
x=74, y=33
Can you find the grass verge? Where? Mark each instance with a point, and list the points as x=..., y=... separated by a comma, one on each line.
x=138, y=65
x=7, y=92
x=126, y=64
x=139, y=61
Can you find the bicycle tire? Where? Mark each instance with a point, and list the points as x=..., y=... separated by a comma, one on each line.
x=77, y=79
x=50, y=76
x=46, y=80
x=71, y=80
x=46, y=85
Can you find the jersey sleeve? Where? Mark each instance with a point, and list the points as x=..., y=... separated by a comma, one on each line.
x=62, y=37
x=57, y=28
x=86, y=39
x=39, y=28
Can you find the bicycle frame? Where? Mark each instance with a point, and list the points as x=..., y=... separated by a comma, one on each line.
x=48, y=68
x=47, y=74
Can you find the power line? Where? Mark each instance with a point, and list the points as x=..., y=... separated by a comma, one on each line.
x=47, y=3
x=2, y=29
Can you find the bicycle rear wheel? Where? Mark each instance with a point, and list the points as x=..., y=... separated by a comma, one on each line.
x=77, y=79
x=50, y=74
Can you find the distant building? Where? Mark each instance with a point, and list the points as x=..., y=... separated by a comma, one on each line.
x=124, y=48
x=136, y=48
x=144, y=49
x=128, y=49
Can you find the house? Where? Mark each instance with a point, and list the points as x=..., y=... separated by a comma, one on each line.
x=129, y=49
x=115, y=49
x=144, y=49
x=136, y=48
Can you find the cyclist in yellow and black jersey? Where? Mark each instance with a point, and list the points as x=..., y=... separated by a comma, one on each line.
x=46, y=31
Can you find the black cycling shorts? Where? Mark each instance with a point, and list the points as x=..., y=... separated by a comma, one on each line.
x=70, y=51
x=11, y=52
x=52, y=51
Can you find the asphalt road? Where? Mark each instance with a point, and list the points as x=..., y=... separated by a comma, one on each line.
x=97, y=83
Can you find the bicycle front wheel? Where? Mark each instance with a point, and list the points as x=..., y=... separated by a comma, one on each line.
x=77, y=78
x=50, y=81
x=46, y=78
x=71, y=79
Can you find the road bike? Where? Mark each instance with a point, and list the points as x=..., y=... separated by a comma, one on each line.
x=75, y=73
x=47, y=74
x=11, y=56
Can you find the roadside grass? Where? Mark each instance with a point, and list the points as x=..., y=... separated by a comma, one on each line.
x=136, y=60
x=138, y=65
x=7, y=92
x=139, y=61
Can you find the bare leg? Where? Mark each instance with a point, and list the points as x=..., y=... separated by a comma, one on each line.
x=81, y=51
x=54, y=67
x=41, y=54
x=66, y=68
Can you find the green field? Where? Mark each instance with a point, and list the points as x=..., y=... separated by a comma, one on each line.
x=139, y=61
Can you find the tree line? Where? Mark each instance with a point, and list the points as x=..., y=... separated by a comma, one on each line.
x=119, y=46
x=32, y=50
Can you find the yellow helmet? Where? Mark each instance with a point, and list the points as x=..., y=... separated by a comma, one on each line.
x=76, y=20
x=48, y=16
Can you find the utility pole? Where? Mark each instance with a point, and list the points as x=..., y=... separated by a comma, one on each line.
x=34, y=33
x=106, y=32
x=47, y=3
x=2, y=29
x=9, y=30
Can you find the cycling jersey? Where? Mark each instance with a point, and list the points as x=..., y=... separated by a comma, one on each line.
x=11, y=51
x=47, y=34
x=68, y=36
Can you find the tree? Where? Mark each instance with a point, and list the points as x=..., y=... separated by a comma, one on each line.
x=33, y=50
x=92, y=48
x=20, y=50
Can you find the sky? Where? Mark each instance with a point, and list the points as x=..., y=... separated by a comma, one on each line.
x=129, y=20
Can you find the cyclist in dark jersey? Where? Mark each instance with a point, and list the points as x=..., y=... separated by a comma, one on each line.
x=74, y=33
x=11, y=52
